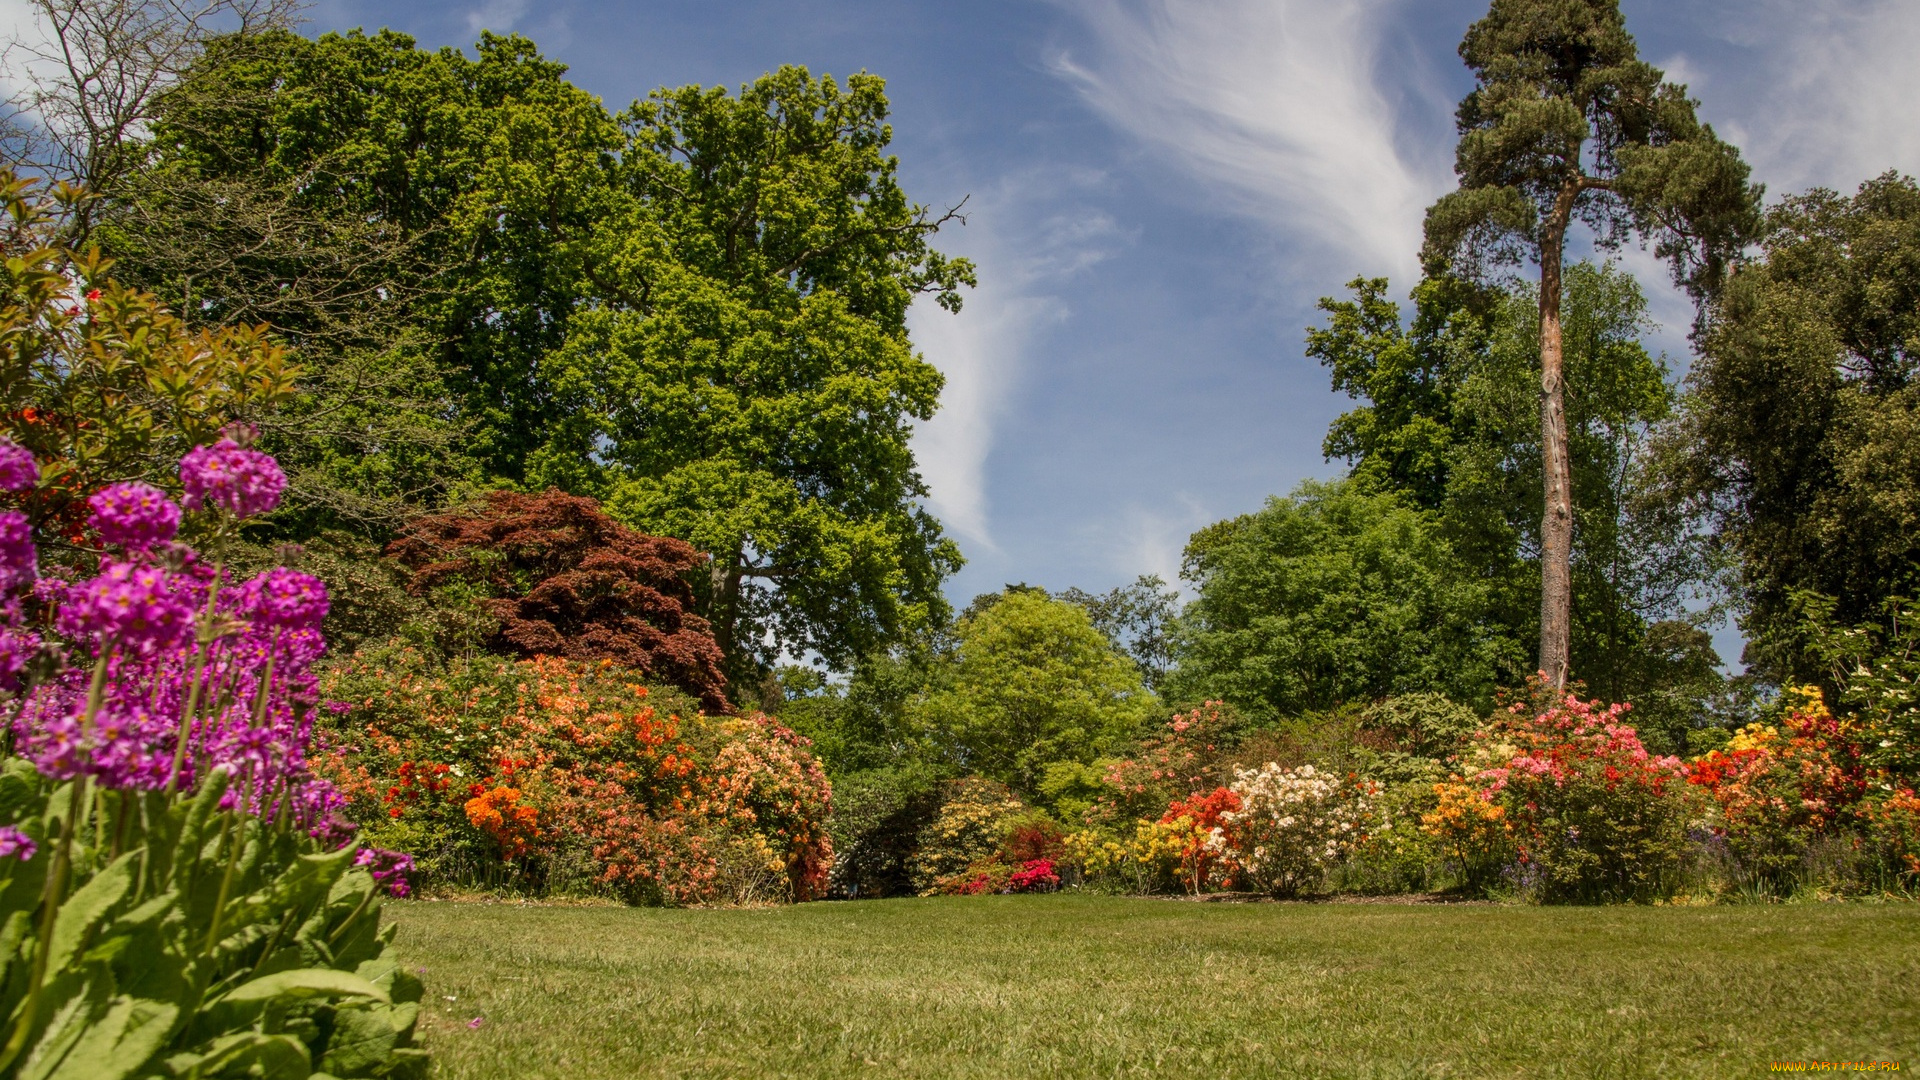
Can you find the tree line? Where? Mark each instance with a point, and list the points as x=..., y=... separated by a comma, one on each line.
x=692, y=311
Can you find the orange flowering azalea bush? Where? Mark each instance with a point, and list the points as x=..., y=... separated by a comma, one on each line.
x=1893, y=828
x=554, y=774
x=1778, y=788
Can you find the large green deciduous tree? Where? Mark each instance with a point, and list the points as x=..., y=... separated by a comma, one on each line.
x=695, y=311
x=1566, y=123
x=1803, y=425
x=395, y=214
x=742, y=376
x=1334, y=594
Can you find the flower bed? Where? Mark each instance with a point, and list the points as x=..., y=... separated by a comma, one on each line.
x=560, y=774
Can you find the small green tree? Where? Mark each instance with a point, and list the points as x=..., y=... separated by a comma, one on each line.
x=1567, y=123
x=1033, y=684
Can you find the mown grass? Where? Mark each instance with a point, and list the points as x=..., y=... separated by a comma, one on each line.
x=1074, y=986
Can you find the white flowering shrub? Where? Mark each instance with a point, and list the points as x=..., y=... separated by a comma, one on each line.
x=1293, y=824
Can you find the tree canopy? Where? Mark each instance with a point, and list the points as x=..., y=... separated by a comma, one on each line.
x=1030, y=684
x=1803, y=432
x=1448, y=421
x=1333, y=594
x=694, y=311
x=742, y=376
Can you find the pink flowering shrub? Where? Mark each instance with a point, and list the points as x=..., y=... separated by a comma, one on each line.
x=1591, y=814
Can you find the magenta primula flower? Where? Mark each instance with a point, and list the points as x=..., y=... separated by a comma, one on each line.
x=132, y=604
x=17, y=553
x=389, y=868
x=240, y=481
x=134, y=516
x=285, y=598
x=16, y=648
x=17, y=469
x=15, y=844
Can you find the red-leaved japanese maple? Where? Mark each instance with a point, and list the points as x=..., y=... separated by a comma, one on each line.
x=567, y=580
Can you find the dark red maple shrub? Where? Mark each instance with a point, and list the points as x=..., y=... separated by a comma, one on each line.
x=567, y=580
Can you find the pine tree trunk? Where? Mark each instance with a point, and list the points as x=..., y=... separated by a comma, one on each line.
x=1556, y=524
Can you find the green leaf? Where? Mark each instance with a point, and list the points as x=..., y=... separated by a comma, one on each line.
x=363, y=1039
x=258, y=1057
x=71, y=1003
x=121, y=1042
x=306, y=982
x=87, y=908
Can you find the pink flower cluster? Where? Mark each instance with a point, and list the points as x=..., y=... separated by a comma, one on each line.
x=17, y=554
x=241, y=481
x=134, y=605
x=389, y=868
x=285, y=598
x=17, y=469
x=15, y=844
x=136, y=516
x=241, y=697
x=1558, y=745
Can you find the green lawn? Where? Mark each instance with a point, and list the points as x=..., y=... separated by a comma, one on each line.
x=1086, y=986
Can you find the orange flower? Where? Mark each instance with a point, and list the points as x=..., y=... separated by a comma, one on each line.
x=498, y=813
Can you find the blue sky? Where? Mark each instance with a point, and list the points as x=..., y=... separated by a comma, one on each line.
x=1160, y=189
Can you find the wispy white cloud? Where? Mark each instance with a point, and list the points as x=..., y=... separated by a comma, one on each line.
x=1029, y=237
x=1280, y=106
x=1827, y=94
x=1151, y=539
x=500, y=16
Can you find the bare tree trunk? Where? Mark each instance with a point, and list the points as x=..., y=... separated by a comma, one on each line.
x=1556, y=524
x=723, y=609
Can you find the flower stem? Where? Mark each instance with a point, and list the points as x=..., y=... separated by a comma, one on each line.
x=204, y=635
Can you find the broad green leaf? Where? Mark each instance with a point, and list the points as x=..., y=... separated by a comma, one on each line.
x=87, y=908
x=362, y=1040
x=306, y=982
x=258, y=1057
x=121, y=1042
x=71, y=1002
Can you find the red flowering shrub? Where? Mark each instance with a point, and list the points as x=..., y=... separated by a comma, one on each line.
x=1776, y=789
x=1204, y=861
x=1591, y=814
x=567, y=580
x=1034, y=875
x=1033, y=839
x=556, y=773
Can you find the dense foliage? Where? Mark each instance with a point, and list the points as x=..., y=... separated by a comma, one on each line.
x=1333, y=595
x=561, y=775
x=1449, y=422
x=563, y=579
x=694, y=311
x=1801, y=431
